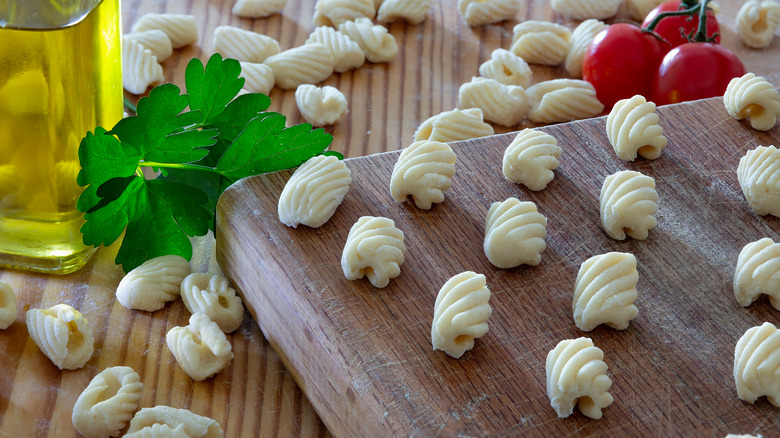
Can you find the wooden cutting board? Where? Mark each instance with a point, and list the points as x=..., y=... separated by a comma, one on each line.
x=363, y=355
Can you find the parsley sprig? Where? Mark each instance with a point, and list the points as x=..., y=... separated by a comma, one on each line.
x=201, y=142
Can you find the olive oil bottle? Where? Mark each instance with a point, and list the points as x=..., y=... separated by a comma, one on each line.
x=60, y=76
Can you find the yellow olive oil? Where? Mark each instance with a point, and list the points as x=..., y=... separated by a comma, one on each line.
x=60, y=76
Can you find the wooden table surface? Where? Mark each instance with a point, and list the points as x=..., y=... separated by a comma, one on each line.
x=255, y=394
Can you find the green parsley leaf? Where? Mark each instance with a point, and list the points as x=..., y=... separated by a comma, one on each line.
x=212, y=89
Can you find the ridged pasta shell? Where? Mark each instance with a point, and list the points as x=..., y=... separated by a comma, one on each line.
x=453, y=125
x=212, y=295
x=8, y=310
x=531, y=158
x=757, y=364
x=480, y=12
x=314, y=191
x=424, y=170
x=62, y=334
x=258, y=78
x=605, y=291
x=460, y=314
x=585, y=9
x=336, y=12
x=306, y=64
x=562, y=100
x=506, y=105
x=514, y=234
x=413, y=11
x=375, y=249
x=155, y=40
x=107, y=403
x=638, y=9
x=632, y=128
x=159, y=431
x=347, y=54
x=201, y=349
x=628, y=204
x=139, y=68
x=182, y=30
x=153, y=283
x=581, y=38
x=507, y=68
x=576, y=374
x=541, y=42
x=758, y=272
x=195, y=426
x=320, y=106
x=258, y=8
x=753, y=97
x=757, y=21
x=378, y=45
x=758, y=174
x=244, y=45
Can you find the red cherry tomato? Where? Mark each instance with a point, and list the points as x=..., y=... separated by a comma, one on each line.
x=622, y=62
x=672, y=28
x=695, y=71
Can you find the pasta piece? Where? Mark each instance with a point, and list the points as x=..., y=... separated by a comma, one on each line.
x=506, y=105
x=585, y=9
x=258, y=78
x=258, y=8
x=347, y=54
x=306, y=64
x=605, y=291
x=460, y=314
x=139, y=68
x=757, y=364
x=757, y=21
x=107, y=403
x=581, y=38
x=531, y=158
x=314, y=191
x=320, y=106
x=541, y=42
x=155, y=40
x=507, y=68
x=562, y=100
x=336, y=12
x=195, y=426
x=481, y=12
x=628, y=203
x=377, y=44
x=758, y=272
x=8, y=310
x=424, y=171
x=182, y=30
x=211, y=295
x=514, y=234
x=62, y=334
x=413, y=11
x=153, y=283
x=453, y=125
x=632, y=128
x=375, y=249
x=201, y=348
x=638, y=9
x=158, y=430
x=577, y=374
x=244, y=45
x=758, y=174
x=753, y=97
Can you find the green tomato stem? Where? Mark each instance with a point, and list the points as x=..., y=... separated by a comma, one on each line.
x=690, y=11
x=701, y=32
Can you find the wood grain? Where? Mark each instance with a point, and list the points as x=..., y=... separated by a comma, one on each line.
x=363, y=355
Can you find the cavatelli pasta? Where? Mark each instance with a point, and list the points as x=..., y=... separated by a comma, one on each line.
x=507, y=68
x=758, y=272
x=638, y=9
x=336, y=12
x=320, y=106
x=480, y=12
x=258, y=78
x=62, y=334
x=506, y=105
x=258, y=8
x=581, y=38
x=377, y=44
x=413, y=11
x=632, y=128
x=176, y=420
x=212, y=295
x=753, y=97
x=577, y=375
x=424, y=171
x=585, y=9
x=758, y=174
x=306, y=64
x=562, y=100
x=182, y=30
x=139, y=68
x=453, y=125
x=347, y=54
x=514, y=234
x=153, y=283
x=107, y=403
x=757, y=364
x=541, y=42
x=314, y=191
x=154, y=39
x=8, y=311
x=531, y=158
x=244, y=45
x=374, y=249
x=628, y=204
x=201, y=348
x=605, y=291
x=460, y=313
x=757, y=21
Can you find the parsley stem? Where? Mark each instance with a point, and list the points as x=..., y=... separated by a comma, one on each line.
x=179, y=166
